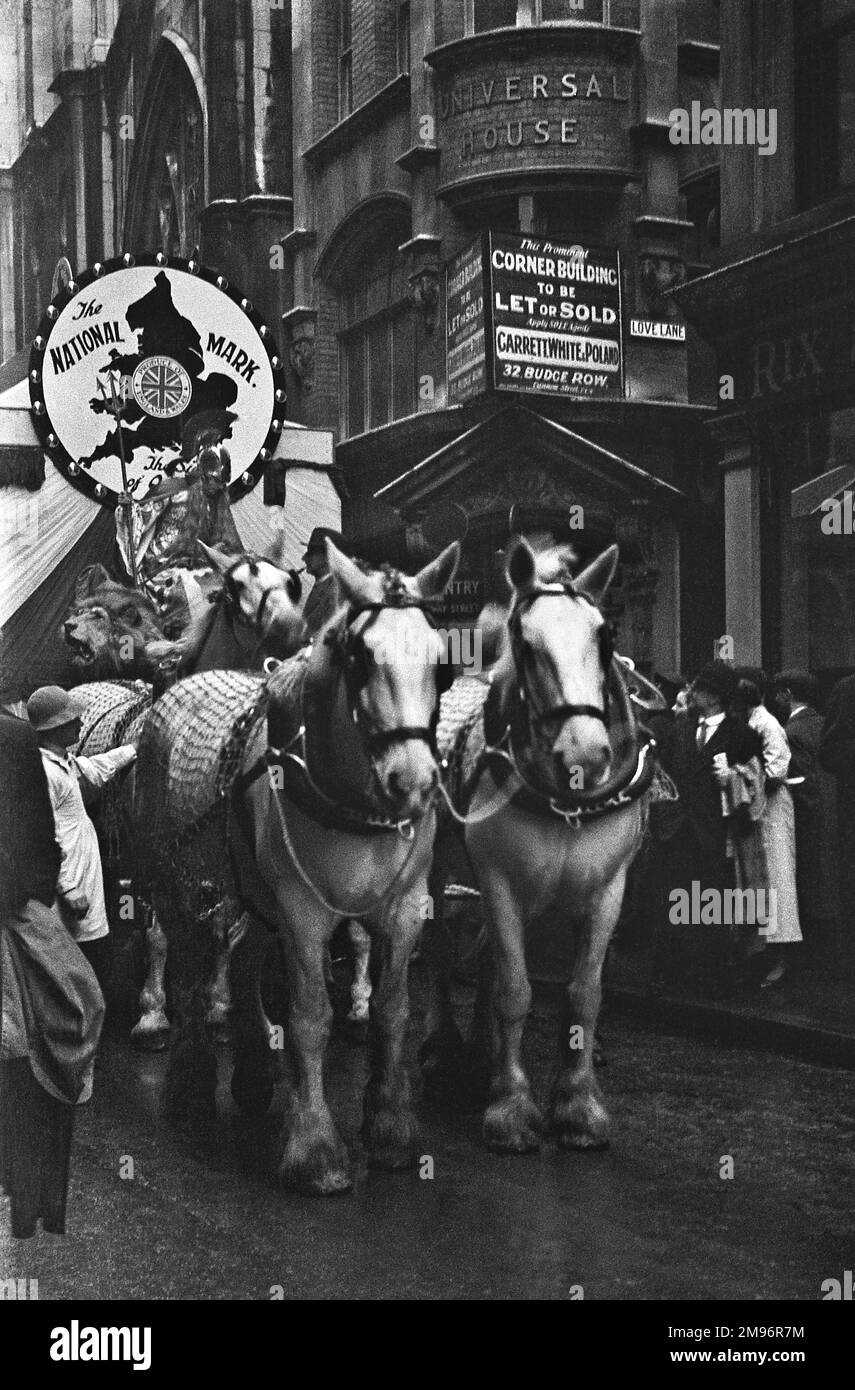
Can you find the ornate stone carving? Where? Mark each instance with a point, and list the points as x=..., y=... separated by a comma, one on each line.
x=424, y=294
x=656, y=275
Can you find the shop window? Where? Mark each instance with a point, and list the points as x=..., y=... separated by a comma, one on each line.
x=480, y=15
x=376, y=346
x=403, y=38
x=345, y=59
x=825, y=99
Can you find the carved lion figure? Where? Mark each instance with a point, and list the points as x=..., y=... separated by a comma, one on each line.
x=111, y=630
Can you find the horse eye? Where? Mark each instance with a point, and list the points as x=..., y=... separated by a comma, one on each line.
x=253, y=569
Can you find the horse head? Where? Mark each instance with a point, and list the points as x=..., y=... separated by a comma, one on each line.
x=390, y=652
x=561, y=650
x=263, y=596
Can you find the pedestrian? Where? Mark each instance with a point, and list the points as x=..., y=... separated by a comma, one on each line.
x=795, y=702
x=697, y=827
x=322, y=601
x=55, y=717
x=51, y=1007
x=777, y=832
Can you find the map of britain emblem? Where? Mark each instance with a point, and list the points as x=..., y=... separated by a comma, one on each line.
x=130, y=352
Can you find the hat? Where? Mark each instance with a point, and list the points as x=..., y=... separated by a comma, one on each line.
x=51, y=706
x=718, y=678
x=319, y=536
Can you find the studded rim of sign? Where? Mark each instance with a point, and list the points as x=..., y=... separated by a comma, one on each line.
x=45, y=429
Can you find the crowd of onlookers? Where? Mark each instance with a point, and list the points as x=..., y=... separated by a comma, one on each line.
x=743, y=880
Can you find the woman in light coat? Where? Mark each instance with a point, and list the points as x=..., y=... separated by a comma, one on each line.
x=777, y=830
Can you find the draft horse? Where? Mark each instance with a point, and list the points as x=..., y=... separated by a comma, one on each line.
x=330, y=816
x=548, y=783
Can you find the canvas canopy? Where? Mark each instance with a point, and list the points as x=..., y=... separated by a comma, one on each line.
x=50, y=531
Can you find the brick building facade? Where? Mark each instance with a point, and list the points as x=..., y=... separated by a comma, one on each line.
x=779, y=307
x=331, y=157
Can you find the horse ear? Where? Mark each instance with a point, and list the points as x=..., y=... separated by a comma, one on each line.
x=352, y=583
x=521, y=566
x=594, y=581
x=294, y=586
x=220, y=562
x=89, y=580
x=434, y=579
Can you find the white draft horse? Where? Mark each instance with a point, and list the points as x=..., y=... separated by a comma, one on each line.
x=554, y=805
x=331, y=816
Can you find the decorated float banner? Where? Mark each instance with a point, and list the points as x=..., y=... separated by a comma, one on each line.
x=536, y=316
x=556, y=317
x=135, y=351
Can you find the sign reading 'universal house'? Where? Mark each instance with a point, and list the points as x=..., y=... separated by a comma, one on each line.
x=540, y=111
x=130, y=353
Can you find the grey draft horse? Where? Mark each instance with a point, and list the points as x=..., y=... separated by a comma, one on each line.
x=330, y=816
x=551, y=786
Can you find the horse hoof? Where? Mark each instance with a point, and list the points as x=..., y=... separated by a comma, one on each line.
x=151, y=1032
x=581, y=1122
x=319, y=1173
x=251, y=1092
x=513, y=1125
x=392, y=1139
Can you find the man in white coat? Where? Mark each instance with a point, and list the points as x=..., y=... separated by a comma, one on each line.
x=56, y=716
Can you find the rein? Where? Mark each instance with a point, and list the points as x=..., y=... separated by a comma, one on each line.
x=351, y=655
x=628, y=784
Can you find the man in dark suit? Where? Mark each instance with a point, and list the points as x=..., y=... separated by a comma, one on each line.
x=697, y=843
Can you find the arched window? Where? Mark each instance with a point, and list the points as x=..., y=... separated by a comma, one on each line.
x=377, y=349
x=167, y=195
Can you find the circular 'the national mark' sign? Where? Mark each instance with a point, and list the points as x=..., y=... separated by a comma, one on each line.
x=130, y=353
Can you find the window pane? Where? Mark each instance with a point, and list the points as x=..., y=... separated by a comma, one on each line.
x=591, y=10
x=846, y=111
x=345, y=86
x=403, y=37
x=354, y=359
x=378, y=375
x=345, y=28
x=403, y=366
x=495, y=14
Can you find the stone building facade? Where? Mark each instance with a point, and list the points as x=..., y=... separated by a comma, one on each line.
x=332, y=157
x=779, y=307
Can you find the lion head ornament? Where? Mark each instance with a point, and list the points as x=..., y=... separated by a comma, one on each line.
x=111, y=630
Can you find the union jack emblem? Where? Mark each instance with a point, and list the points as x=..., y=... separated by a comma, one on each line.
x=161, y=387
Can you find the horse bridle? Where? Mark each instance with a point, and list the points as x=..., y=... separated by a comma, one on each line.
x=292, y=587
x=562, y=711
x=351, y=652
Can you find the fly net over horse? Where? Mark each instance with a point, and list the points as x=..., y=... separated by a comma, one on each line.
x=549, y=773
x=305, y=798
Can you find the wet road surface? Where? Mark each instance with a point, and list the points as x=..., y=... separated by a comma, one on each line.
x=651, y=1218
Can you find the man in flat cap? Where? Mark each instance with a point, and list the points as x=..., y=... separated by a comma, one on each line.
x=322, y=601
x=55, y=716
